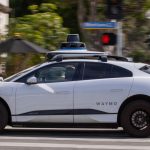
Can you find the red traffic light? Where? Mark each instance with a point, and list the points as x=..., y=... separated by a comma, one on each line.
x=109, y=39
x=105, y=39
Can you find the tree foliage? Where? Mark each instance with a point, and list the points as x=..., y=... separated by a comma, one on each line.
x=67, y=9
x=43, y=26
x=74, y=13
x=44, y=23
x=140, y=56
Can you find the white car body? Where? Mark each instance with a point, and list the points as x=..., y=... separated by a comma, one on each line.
x=75, y=102
x=79, y=88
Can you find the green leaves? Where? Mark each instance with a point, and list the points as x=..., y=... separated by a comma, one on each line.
x=33, y=8
x=43, y=26
x=140, y=56
x=47, y=7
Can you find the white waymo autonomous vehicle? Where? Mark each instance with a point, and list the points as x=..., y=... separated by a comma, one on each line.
x=79, y=89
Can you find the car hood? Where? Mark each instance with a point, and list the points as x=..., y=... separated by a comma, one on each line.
x=6, y=88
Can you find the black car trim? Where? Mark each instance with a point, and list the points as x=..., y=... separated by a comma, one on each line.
x=63, y=112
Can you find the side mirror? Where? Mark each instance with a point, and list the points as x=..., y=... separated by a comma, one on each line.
x=1, y=79
x=32, y=80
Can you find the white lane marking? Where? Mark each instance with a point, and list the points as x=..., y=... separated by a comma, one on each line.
x=130, y=140
x=75, y=146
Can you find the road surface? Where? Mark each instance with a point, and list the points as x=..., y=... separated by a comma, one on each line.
x=70, y=139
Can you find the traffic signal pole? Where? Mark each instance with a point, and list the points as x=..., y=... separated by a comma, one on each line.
x=115, y=12
x=119, y=39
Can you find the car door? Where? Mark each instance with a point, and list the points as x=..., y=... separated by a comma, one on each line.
x=51, y=99
x=99, y=95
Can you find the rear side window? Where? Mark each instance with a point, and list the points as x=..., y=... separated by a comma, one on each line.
x=102, y=70
x=96, y=71
x=119, y=72
x=146, y=69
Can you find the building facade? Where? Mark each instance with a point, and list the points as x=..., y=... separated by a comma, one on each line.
x=4, y=18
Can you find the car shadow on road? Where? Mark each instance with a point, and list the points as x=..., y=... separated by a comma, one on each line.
x=65, y=133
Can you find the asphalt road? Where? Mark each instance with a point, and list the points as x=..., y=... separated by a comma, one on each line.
x=70, y=139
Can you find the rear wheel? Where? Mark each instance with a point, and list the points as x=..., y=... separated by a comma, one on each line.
x=135, y=118
x=3, y=116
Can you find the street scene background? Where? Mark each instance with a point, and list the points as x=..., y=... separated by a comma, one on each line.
x=31, y=28
x=47, y=23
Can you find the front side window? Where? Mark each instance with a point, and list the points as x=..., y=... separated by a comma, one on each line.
x=54, y=73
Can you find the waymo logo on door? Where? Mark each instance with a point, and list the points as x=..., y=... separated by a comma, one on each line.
x=106, y=103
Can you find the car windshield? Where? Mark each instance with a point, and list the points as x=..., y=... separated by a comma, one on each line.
x=20, y=73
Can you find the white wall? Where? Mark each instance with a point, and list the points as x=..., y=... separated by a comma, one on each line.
x=4, y=18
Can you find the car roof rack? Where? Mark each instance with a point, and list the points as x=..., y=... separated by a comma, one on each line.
x=99, y=56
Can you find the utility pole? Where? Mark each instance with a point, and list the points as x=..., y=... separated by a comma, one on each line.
x=95, y=34
x=115, y=12
x=119, y=39
x=93, y=10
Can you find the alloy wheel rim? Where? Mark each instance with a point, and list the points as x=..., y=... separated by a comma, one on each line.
x=140, y=119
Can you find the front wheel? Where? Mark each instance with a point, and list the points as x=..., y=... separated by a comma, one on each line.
x=135, y=118
x=3, y=116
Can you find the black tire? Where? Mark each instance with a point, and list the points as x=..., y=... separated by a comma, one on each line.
x=135, y=118
x=3, y=116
